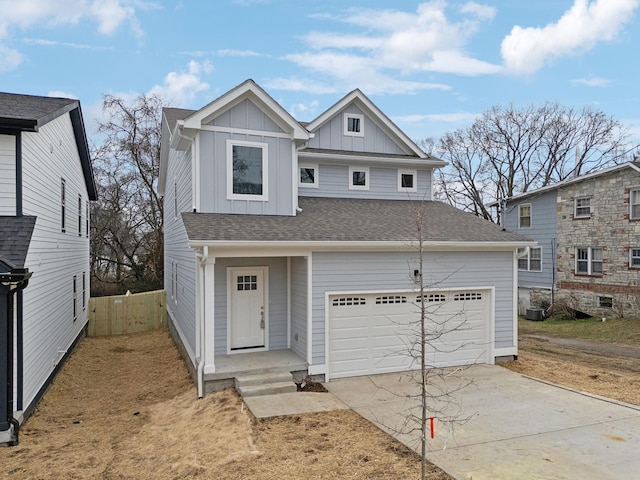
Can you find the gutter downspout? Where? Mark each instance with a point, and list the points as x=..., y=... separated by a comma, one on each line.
x=203, y=261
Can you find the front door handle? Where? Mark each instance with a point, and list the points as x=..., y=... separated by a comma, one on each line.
x=262, y=317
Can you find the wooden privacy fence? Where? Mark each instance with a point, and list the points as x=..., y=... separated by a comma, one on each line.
x=130, y=313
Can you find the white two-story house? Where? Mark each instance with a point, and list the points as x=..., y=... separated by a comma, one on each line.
x=46, y=184
x=303, y=237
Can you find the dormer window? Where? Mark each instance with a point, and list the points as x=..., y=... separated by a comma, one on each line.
x=247, y=170
x=407, y=181
x=354, y=125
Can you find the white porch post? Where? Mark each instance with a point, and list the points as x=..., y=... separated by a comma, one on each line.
x=209, y=317
x=309, y=309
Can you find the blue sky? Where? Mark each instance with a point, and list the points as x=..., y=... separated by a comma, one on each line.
x=431, y=66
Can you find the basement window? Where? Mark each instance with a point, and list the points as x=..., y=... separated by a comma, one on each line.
x=605, y=302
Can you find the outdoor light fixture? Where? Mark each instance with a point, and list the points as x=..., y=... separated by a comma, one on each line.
x=11, y=280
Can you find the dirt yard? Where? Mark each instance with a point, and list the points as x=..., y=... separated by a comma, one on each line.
x=608, y=376
x=124, y=408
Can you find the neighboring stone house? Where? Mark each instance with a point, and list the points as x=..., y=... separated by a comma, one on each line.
x=588, y=234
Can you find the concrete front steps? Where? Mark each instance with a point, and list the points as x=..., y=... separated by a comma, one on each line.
x=268, y=383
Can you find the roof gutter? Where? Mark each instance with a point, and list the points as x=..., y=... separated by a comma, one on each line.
x=336, y=157
x=362, y=245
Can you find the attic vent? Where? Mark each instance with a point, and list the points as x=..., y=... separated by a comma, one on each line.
x=390, y=299
x=348, y=301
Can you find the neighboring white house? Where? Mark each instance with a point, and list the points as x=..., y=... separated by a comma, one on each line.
x=281, y=235
x=46, y=184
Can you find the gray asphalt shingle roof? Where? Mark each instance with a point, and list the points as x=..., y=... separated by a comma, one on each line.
x=31, y=111
x=172, y=115
x=15, y=237
x=349, y=220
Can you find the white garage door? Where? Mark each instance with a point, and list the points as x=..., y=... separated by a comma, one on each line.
x=374, y=333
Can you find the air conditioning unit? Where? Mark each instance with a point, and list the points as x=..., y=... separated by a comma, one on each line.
x=535, y=314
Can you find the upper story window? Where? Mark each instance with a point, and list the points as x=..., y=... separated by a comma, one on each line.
x=354, y=124
x=530, y=259
x=175, y=198
x=407, y=181
x=582, y=207
x=634, y=257
x=86, y=219
x=589, y=261
x=524, y=215
x=358, y=178
x=63, y=205
x=247, y=168
x=79, y=215
x=308, y=176
x=634, y=204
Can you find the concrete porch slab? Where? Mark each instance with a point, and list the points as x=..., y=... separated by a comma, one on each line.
x=230, y=366
x=281, y=404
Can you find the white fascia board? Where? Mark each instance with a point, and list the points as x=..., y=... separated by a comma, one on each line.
x=294, y=248
x=249, y=90
x=346, y=158
x=363, y=102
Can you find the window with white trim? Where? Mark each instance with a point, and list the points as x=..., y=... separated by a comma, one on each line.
x=63, y=205
x=308, y=176
x=79, y=215
x=175, y=198
x=634, y=204
x=353, y=124
x=86, y=219
x=589, y=261
x=530, y=259
x=634, y=257
x=524, y=215
x=247, y=170
x=84, y=290
x=582, y=207
x=75, y=298
x=387, y=299
x=348, y=301
x=358, y=178
x=407, y=181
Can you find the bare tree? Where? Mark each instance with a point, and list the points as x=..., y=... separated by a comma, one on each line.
x=127, y=220
x=508, y=151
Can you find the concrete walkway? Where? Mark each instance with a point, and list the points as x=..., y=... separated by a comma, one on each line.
x=294, y=403
x=518, y=427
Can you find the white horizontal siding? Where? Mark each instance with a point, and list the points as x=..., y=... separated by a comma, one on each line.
x=182, y=305
x=299, y=306
x=54, y=257
x=381, y=271
x=7, y=175
x=333, y=182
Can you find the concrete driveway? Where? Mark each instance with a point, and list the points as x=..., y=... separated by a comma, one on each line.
x=518, y=428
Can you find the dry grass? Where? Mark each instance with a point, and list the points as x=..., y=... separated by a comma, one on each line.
x=124, y=408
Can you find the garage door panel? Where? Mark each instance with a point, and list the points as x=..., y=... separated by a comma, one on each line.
x=376, y=335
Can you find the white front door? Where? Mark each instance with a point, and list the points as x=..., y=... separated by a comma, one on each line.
x=247, y=308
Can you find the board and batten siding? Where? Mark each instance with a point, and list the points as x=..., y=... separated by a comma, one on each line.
x=299, y=306
x=181, y=304
x=7, y=175
x=333, y=182
x=54, y=257
x=331, y=136
x=213, y=163
x=542, y=230
x=277, y=300
x=379, y=272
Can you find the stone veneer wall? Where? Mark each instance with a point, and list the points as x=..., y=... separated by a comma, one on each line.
x=608, y=227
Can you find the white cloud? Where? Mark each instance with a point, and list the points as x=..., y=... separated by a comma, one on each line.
x=23, y=15
x=9, y=59
x=591, y=82
x=306, y=110
x=585, y=24
x=461, y=117
x=179, y=89
x=383, y=41
x=61, y=94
